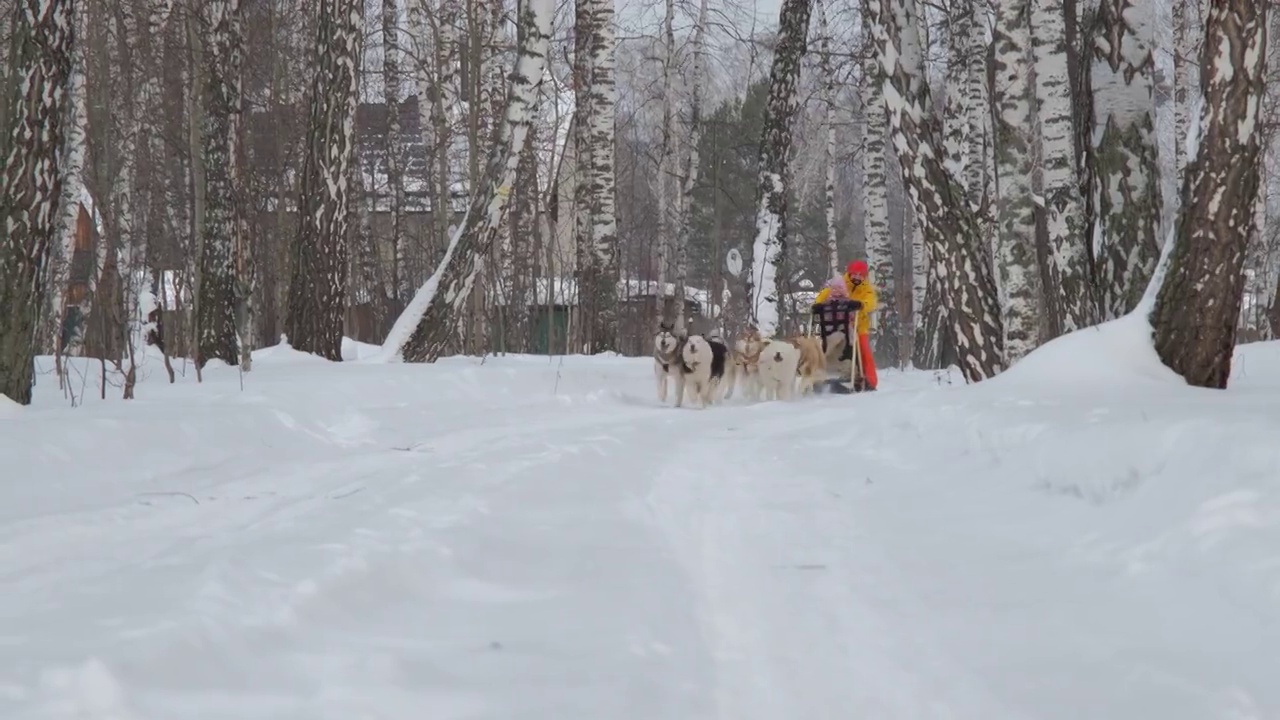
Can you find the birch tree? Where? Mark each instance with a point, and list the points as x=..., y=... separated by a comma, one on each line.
x=668, y=185
x=684, y=228
x=875, y=199
x=829, y=144
x=1125, y=155
x=769, y=251
x=595, y=221
x=31, y=143
x=1069, y=272
x=422, y=331
x=217, y=336
x=980, y=169
x=1021, y=293
x=1198, y=304
x=1186, y=74
x=393, y=148
x=952, y=233
x=318, y=286
x=73, y=174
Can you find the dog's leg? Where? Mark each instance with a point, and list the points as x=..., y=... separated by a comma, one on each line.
x=679, y=389
x=661, y=376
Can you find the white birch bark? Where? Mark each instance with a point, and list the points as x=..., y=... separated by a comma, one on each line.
x=1021, y=294
x=73, y=183
x=1198, y=301
x=684, y=228
x=1070, y=275
x=318, y=286
x=217, y=329
x=875, y=202
x=769, y=250
x=952, y=233
x=393, y=149
x=668, y=184
x=957, y=121
x=595, y=222
x=980, y=164
x=1125, y=155
x=829, y=147
x=423, y=330
x=31, y=178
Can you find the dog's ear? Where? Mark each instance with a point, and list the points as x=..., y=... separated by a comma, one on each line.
x=664, y=327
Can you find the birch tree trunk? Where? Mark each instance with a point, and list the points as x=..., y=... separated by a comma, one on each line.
x=394, y=150
x=1198, y=304
x=957, y=120
x=667, y=182
x=875, y=204
x=1021, y=294
x=693, y=133
x=216, y=334
x=73, y=186
x=595, y=220
x=318, y=287
x=952, y=233
x=1186, y=75
x=770, y=248
x=1125, y=154
x=980, y=171
x=31, y=144
x=829, y=147
x=1069, y=273
x=423, y=330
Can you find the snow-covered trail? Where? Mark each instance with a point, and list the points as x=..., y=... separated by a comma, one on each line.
x=535, y=539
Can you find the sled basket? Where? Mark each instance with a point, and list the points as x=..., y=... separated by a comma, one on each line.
x=837, y=318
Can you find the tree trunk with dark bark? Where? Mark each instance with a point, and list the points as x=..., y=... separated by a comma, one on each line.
x=1198, y=305
x=31, y=144
x=318, y=288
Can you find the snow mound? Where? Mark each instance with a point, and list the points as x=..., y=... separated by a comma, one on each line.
x=1115, y=354
x=8, y=408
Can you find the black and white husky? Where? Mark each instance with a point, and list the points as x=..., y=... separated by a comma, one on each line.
x=706, y=367
x=667, y=361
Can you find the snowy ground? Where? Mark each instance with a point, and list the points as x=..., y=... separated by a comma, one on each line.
x=536, y=539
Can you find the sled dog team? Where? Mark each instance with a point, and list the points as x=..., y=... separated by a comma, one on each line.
x=706, y=368
x=764, y=368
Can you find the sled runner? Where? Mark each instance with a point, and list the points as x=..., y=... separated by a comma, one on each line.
x=834, y=321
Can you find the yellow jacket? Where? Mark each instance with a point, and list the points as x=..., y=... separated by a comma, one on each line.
x=864, y=293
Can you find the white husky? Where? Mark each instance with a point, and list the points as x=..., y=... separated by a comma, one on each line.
x=779, y=363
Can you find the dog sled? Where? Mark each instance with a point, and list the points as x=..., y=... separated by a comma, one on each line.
x=833, y=322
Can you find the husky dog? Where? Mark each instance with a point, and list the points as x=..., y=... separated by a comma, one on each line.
x=746, y=361
x=779, y=363
x=813, y=363
x=706, y=366
x=667, y=362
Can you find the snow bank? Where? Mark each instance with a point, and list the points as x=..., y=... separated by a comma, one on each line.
x=1115, y=354
x=1080, y=537
x=8, y=408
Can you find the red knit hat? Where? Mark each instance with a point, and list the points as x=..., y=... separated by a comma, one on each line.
x=857, y=268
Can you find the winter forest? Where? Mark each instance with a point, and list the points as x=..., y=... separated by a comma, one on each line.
x=477, y=177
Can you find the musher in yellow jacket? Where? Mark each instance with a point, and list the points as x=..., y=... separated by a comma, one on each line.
x=864, y=294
